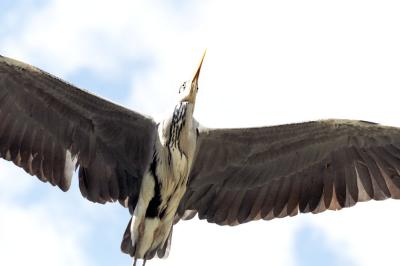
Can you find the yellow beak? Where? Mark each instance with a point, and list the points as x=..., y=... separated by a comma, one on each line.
x=194, y=86
x=197, y=74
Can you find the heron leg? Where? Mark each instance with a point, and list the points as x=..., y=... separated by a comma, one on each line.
x=144, y=262
x=134, y=262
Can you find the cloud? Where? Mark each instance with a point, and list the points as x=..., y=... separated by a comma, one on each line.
x=197, y=243
x=36, y=233
x=312, y=247
x=366, y=232
x=28, y=236
x=11, y=182
x=267, y=63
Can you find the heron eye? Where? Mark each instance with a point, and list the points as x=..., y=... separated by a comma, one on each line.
x=182, y=88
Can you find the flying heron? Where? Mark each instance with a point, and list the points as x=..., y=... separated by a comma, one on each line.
x=174, y=169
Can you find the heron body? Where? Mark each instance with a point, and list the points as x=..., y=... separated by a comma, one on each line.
x=172, y=170
x=163, y=185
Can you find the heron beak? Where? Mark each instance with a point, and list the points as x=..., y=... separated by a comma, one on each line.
x=197, y=74
x=193, y=90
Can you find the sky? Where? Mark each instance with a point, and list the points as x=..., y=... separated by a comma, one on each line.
x=267, y=63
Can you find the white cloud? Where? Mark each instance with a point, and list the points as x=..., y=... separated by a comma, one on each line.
x=267, y=63
x=366, y=232
x=11, y=182
x=36, y=233
x=199, y=243
x=28, y=236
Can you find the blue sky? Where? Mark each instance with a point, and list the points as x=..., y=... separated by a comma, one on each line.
x=267, y=63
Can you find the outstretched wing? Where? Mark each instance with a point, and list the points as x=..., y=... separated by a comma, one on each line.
x=49, y=128
x=240, y=175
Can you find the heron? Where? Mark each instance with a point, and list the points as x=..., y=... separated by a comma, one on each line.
x=174, y=169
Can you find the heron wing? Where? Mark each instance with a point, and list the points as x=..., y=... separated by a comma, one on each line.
x=240, y=175
x=49, y=128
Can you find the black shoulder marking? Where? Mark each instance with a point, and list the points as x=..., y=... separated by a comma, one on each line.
x=155, y=202
x=162, y=213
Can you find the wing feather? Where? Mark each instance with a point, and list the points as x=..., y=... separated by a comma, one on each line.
x=246, y=205
x=283, y=170
x=283, y=197
x=49, y=128
x=269, y=198
x=316, y=189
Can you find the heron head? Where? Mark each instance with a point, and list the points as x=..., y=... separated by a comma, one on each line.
x=188, y=90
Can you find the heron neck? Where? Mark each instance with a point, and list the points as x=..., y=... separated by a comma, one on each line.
x=189, y=114
x=181, y=122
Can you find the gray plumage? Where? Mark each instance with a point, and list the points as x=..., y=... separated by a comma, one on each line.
x=227, y=176
x=264, y=173
x=43, y=117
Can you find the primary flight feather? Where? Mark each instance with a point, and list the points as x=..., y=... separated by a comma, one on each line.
x=175, y=169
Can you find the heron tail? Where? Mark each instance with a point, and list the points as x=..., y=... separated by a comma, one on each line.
x=126, y=244
x=163, y=252
x=130, y=248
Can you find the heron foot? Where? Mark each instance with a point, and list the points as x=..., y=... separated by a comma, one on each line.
x=135, y=262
